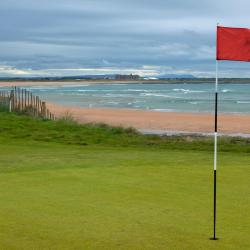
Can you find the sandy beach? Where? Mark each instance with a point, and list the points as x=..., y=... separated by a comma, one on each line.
x=146, y=120
x=158, y=121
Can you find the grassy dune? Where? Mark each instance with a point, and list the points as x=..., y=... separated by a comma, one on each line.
x=66, y=186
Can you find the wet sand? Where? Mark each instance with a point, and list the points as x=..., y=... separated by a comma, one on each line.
x=158, y=121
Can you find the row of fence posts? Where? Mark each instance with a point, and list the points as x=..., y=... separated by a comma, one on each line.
x=23, y=101
x=4, y=100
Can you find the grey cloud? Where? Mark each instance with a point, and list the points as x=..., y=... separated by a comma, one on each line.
x=61, y=34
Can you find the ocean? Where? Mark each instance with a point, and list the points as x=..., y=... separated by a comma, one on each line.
x=233, y=98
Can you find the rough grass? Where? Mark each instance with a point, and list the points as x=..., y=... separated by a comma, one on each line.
x=67, y=131
x=120, y=190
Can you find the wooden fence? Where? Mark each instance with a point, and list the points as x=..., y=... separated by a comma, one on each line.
x=4, y=100
x=23, y=101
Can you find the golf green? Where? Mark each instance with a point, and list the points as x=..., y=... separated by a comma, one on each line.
x=66, y=186
x=71, y=197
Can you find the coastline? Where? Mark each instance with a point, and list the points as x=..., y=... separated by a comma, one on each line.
x=68, y=82
x=146, y=121
x=74, y=82
x=158, y=122
x=82, y=82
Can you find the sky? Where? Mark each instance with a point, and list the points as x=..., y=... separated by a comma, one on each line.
x=145, y=37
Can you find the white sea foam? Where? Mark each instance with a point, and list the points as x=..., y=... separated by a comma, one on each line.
x=181, y=90
x=226, y=90
x=158, y=95
x=134, y=90
x=242, y=102
x=113, y=103
x=75, y=85
x=189, y=91
x=139, y=101
x=139, y=90
x=164, y=110
x=86, y=90
x=79, y=94
x=43, y=90
x=91, y=90
x=118, y=95
x=42, y=87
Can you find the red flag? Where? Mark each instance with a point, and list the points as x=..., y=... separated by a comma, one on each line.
x=233, y=44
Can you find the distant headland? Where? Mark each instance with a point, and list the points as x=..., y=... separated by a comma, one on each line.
x=168, y=79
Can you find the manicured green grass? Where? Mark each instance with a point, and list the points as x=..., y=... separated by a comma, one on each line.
x=118, y=190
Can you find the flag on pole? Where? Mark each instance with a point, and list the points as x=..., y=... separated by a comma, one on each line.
x=233, y=44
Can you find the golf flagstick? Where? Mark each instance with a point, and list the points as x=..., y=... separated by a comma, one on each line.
x=232, y=44
x=215, y=147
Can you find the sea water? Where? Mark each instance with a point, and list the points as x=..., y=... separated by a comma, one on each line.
x=233, y=98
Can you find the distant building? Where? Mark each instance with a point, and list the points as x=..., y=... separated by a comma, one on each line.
x=127, y=77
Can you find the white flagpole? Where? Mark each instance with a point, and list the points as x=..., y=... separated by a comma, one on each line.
x=215, y=137
x=215, y=146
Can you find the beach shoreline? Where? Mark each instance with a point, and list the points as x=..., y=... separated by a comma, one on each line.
x=154, y=122
x=146, y=121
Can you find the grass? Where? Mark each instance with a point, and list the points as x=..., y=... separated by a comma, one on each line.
x=66, y=186
x=68, y=132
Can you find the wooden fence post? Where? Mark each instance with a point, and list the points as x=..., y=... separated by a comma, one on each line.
x=11, y=100
x=15, y=98
x=25, y=98
x=21, y=99
x=43, y=110
x=37, y=106
x=18, y=100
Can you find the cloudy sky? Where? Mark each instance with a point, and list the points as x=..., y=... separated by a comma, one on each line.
x=146, y=37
